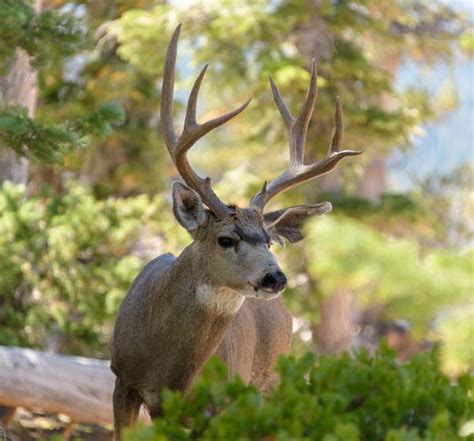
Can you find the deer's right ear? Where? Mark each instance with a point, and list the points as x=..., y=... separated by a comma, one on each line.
x=188, y=208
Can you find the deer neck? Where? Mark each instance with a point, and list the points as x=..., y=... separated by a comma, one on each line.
x=199, y=321
x=194, y=270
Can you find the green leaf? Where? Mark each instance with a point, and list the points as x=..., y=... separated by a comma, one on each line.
x=13, y=124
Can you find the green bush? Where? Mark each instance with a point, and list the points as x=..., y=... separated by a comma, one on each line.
x=66, y=262
x=333, y=399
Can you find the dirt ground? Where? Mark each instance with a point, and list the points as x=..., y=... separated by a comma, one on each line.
x=29, y=426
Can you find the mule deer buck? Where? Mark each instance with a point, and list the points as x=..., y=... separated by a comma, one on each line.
x=221, y=294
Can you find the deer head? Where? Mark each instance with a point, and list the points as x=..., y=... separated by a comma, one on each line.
x=235, y=241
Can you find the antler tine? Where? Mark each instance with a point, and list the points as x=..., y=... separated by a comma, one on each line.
x=338, y=133
x=297, y=128
x=284, y=112
x=190, y=119
x=302, y=122
x=192, y=131
x=298, y=172
x=167, y=91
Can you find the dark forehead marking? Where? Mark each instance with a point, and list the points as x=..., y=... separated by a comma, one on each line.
x=253, y=237
x=249, y=227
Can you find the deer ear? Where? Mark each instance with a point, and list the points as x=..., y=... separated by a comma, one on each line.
x=188, y=208
x=288, y=222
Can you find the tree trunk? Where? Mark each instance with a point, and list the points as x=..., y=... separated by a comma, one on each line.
x=334, y=333
x=374, y=180
x=19, y=86
x=80, y=388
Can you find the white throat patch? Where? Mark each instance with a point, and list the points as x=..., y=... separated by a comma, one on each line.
x=219, y=300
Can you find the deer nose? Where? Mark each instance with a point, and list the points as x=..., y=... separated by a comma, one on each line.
x=275, y=281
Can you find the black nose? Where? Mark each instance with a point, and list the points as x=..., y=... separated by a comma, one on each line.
x=275, y=281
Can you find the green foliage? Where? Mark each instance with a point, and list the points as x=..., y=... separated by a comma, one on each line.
x=45, y=36
x=392, y=208
x=48, y=143
x=336, y=399
x=456, y=330
x=432, y=290
x=466, y=42
x=66, y=263
x=389, y=270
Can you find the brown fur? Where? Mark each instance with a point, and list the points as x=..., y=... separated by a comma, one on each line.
x=168, y=325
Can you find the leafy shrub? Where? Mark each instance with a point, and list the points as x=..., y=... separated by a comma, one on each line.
x=336, y=399
x=66, y=262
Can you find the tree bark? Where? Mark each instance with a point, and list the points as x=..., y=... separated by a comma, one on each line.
x=78, y=387
x=18, y=87
x=334, y=333
x=374, y=180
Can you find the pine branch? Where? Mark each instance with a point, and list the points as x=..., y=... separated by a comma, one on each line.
x=49, y=143
x=45, y=36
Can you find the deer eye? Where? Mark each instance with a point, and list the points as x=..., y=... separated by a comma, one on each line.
x=226, y=242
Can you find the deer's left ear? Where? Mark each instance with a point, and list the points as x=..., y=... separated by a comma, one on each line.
x=288, y=222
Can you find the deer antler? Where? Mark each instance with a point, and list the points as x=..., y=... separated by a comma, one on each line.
x=192, y=131
x=299, y=172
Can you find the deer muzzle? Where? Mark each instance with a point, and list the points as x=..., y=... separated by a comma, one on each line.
x=273, y=282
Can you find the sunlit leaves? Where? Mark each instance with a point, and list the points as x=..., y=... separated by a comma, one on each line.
x=380, y=268
x=136, y=31
x=466, y=42
x=456, y=328
x=426, y=288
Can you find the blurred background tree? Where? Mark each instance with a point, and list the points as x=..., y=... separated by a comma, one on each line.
x=32, y=37
x=379, y=258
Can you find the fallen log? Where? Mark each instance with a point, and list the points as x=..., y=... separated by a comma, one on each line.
x=78, y=387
